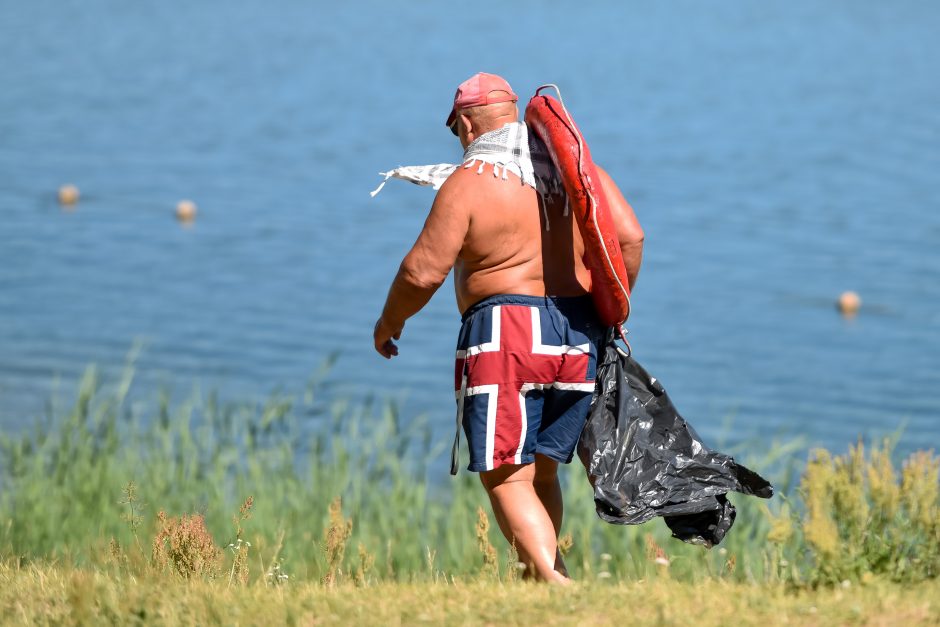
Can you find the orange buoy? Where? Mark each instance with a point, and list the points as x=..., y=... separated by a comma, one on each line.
x=849, y=303
x=185, y=211
x=68, y=195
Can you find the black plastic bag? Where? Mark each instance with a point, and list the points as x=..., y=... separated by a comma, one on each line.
x=644, y=460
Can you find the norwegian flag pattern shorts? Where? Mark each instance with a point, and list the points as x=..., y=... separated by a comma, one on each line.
x=524, y=377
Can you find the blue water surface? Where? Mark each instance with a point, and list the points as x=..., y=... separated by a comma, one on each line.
x=776, y=153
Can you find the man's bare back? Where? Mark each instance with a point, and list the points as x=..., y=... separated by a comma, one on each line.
x=508, y=247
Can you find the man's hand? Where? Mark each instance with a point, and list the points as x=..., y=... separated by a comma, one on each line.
x=383, y=336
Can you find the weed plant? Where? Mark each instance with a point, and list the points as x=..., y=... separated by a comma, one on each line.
x=861, y=518
x=113, y=485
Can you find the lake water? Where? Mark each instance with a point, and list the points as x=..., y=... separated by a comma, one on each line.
x=776, y=153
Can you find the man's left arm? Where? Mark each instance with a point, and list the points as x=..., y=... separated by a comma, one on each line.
x=629, y=232
x=424, y=268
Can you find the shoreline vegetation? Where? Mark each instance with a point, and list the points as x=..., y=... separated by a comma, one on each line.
x=207, y=511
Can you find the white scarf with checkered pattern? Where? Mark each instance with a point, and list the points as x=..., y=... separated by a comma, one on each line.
x=509, y=149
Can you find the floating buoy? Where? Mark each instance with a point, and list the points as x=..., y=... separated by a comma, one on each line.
x=68, y=194
x=849, y=303
x=185, y=211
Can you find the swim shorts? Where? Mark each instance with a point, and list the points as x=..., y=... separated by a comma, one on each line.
x=524, y=377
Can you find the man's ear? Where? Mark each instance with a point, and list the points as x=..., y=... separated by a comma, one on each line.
x=469, y=131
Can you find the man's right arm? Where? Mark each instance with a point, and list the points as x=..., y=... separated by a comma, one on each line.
x=629, y=232
x=425, y=267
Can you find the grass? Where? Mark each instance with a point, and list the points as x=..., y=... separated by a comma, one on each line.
x=55, y=594
x=208, y=511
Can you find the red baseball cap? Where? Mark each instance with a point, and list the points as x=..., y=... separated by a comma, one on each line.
x=475, y=92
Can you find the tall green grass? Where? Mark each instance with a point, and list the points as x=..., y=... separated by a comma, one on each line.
x=345, y=491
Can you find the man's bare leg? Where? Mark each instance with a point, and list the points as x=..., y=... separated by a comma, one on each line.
x=507, y=533
x=523, y=518
x=549, y=492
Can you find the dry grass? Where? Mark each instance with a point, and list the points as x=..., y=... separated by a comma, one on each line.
x=184, y=546
x=487, y=550
x=44, y=594
x=335, y=537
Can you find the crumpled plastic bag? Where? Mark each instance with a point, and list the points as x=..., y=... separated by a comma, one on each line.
x=644, y=460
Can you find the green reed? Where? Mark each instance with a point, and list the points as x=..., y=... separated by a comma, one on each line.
x=358, y=496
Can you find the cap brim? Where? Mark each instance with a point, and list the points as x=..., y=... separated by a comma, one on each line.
x=451, y=122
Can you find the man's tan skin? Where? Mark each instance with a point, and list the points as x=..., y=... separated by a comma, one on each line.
x=492, y=233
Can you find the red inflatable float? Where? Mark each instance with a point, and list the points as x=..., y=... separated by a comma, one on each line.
x=610, y=290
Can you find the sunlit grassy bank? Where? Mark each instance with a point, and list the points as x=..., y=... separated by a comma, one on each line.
x=43, y=594
x=108, y=488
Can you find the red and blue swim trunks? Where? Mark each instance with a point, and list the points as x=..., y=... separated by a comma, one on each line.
x=524, y=377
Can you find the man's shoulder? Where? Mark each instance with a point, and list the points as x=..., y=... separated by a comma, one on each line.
x=479, y=180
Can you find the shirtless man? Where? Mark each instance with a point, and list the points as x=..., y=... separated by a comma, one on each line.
x=528, y=346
